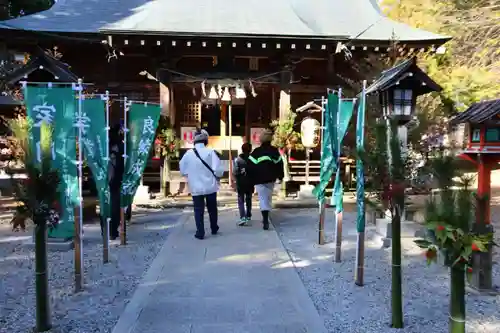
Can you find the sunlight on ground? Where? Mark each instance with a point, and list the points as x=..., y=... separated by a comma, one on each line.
x=290, y=264
x=14, y=257
x=252, y=257
x=160, y=227
x=14, y=239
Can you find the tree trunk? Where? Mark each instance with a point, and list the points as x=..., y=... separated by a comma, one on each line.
x=43, y=322
x=397, y=298
x=457, y=301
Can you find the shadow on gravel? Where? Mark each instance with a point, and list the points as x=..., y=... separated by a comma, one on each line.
x=348, y=308
x=107, y=287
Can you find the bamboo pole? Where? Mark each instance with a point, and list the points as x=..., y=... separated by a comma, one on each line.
x=79, y=213
x=360, y=260
x=360, y=248
x=338, y=236
x=123, y=227
x=105, y=232
x=457, y=301
x=43, y=320
x=321, y=222
x=338, y=215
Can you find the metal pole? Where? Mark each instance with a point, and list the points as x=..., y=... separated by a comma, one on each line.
x=338, y=216
x=123, y=227
x=79, y=223
x=105, y=247
x=321, y=222
x=230, y=110
x=307, y=165
x=360, y=249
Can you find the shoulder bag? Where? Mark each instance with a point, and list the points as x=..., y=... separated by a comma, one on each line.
x=205, y=164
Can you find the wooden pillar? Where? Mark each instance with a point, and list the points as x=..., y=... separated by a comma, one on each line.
x=484, y=190
x=274, y=112
x=348, y=174
x=248, y=125
x=223, y=117
x=284, y=104
x=482, y=262
x=165, y=100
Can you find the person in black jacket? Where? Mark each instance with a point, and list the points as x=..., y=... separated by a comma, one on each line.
x=244, y=186
x=116, y=169
x=265, y=168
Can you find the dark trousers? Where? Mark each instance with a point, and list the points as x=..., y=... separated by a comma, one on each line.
x=115, y=212
x=199, y=211
x=245, y=199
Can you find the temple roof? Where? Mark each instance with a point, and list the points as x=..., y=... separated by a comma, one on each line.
x=406, y=70
x=478, y=112
x=44, y=61
x=317, y=19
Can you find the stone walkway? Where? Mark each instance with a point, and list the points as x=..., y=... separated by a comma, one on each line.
x=239, y=281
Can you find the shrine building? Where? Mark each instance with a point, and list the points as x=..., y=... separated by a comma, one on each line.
x=271, y=57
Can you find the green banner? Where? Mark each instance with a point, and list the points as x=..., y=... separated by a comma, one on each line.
x=345, y=114
x=57, y=107
x=360, y=173
x=142, y=123
x=95, y=142
x=328, y=146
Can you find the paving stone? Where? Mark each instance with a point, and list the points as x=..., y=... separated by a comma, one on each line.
x=239, y=281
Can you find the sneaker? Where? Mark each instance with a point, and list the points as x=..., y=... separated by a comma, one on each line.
x=243, y=221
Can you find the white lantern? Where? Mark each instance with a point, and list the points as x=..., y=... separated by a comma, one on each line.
x=310, y=132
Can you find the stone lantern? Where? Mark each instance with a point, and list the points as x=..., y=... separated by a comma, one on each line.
x=398, y=89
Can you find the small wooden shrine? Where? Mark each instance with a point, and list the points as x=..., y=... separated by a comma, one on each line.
x=482, y=121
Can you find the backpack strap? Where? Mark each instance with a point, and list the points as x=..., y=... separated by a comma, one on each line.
x=205, y=163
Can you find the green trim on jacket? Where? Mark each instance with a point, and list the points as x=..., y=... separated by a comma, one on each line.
x=264, y=158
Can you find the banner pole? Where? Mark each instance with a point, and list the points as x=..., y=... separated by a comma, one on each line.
x=105, y=233
x=79, y=223
x=360, y=248
x=338, y=215
x=321, y=222
x=123, y=227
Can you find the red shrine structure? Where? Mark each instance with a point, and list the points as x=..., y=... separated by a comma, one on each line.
x=482, y=148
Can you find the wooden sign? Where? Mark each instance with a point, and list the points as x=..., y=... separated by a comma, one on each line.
x=187, y=136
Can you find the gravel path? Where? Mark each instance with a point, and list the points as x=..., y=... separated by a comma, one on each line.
x=107, y=287
x=348, y=308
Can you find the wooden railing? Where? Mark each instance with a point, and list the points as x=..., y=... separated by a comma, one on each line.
x=298, y=171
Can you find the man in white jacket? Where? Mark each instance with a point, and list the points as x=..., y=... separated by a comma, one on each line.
x=202, y=167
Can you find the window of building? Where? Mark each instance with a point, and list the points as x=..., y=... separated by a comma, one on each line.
x=492, y=135
x=402, y=102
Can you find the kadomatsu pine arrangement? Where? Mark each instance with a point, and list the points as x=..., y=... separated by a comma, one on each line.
x=448, y=220
x=38, y=197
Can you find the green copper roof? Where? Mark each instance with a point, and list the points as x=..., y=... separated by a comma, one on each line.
x=316, y=19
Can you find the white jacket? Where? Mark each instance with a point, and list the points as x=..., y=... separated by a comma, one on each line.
x=200, y=180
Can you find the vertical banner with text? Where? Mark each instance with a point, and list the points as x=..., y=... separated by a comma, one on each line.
x=360, y=173
x=94, y=142
x=142, y=123
x=345, y=114
x=328, y=146
x=57, y=106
